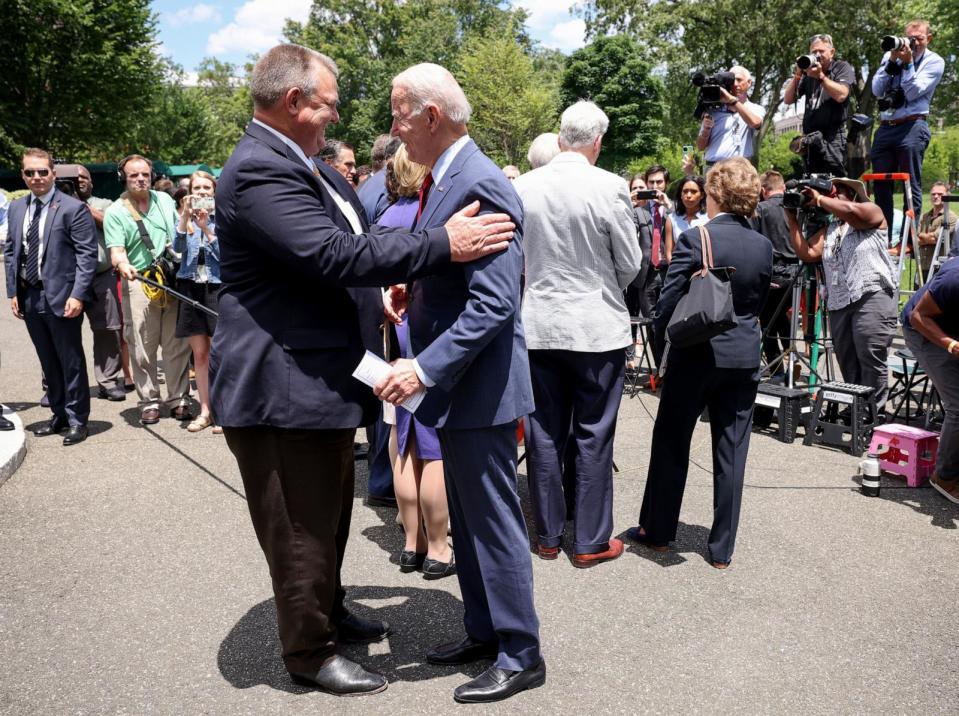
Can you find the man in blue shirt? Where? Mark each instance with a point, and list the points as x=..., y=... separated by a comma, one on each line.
x=901, y=140
x=731, y=131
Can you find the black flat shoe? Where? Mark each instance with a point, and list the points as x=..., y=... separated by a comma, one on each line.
x=114, y=394
x=56, y=425
x=635, y=535
x=496, y=684
x=342, y=677
x=6, y=424
x=465, y=651
x=77, y=434
x=411, y=561
x=380, y=501
x=434, y=569
x=356, y=630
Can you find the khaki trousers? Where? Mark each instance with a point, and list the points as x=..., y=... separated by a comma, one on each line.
x=148, y=326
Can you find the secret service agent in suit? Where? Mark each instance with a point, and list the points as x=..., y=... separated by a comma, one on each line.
x=721, y=374
x=288, y=337
x=581, y=253
x=467, y=335
x=51, y=259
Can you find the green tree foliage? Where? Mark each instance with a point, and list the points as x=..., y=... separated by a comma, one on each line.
x=616, y=74
x=510, y=107
x=228, y=105
x=77, y=74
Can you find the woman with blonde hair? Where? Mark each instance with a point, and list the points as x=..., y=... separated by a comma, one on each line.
x=198, y=278
x=417, y=463
x=721, y=374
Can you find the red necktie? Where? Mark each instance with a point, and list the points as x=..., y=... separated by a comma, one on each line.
x=657, y=237
x=424, y=193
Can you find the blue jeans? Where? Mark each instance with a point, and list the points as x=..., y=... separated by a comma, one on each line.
x=899, y=149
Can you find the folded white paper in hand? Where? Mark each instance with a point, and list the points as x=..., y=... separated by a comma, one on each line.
x=372, y=369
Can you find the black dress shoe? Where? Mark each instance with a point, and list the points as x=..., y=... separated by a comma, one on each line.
x=434, y=569
x=6, y=424
x=465, y=651
x=114, y=394
x=411, y=561
x=77, y=434
x=380, y=501
x=356, y=630
x=496, y=684
x=56, y=425
x=45, y=401
x=342, y=677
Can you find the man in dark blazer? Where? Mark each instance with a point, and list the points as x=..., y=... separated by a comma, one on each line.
x=51, y=259
x=467, y=334
x=721, y=374
x=290, y=333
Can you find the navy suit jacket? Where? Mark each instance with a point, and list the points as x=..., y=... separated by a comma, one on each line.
x=69, y=241
x=465, y=325
x=734, y=244
x=290, y=331
x=373, y=196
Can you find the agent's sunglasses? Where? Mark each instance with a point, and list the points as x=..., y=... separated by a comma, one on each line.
x=36, y=172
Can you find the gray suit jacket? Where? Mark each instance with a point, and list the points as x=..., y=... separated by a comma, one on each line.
x=581, y=253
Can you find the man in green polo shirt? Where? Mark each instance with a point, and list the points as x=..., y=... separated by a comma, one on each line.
x=148, y=325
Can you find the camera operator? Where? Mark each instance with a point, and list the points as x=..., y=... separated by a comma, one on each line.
x=825, y=84
x=657, y=179
x=770, y=221
x=637, y=302
x=904, y=84
x=731, y=131
x=860, y=280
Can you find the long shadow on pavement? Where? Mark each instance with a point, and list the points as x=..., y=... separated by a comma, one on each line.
x=421, y=618
x=690, y=539
x=924, y=500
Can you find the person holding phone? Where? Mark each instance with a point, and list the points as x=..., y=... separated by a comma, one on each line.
x=198, y=278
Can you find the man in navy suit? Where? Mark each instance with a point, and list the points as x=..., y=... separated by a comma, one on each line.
x=466, y=332
x=51, y=259
x=291, y=331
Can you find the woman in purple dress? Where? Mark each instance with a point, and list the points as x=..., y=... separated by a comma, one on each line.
x=417, y=462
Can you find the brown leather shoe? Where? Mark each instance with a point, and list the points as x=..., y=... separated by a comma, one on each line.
x=547, y=552
x=149, y=416
x=589, y=560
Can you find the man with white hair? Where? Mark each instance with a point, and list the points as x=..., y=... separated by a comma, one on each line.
x=467, y=335
x=543, y=149
x=295, y=320
x=581, y=254
x=731, y=132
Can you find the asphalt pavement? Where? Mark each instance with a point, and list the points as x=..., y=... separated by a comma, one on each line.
x=131, y=583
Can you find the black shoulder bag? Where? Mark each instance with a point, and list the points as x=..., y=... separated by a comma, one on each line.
x=706, y=309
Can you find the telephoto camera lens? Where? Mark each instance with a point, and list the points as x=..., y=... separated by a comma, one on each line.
x=870, y=470
x=891, y=43
x=806, y=61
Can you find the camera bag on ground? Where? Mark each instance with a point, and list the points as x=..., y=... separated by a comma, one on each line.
x=706, y=309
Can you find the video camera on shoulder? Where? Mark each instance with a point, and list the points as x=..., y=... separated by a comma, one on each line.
x=68, y=179
x=793, y=197
x=710, y=97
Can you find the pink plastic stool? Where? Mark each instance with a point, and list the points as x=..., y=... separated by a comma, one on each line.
x=907, y=451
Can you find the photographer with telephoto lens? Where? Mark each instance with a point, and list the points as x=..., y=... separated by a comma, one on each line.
x=904, y=84
x=859, y=280
x=824, y=81
x=198, y=278
x=729, y=130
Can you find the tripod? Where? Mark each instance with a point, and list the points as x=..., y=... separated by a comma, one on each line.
x=805, y=279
